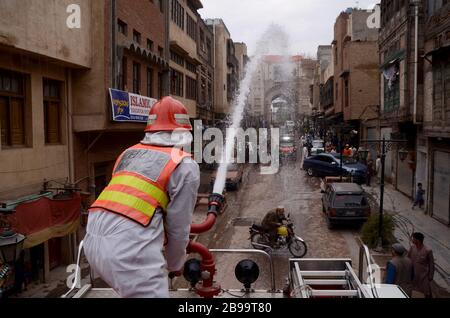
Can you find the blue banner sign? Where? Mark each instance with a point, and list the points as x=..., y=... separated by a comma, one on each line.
x=128, y=107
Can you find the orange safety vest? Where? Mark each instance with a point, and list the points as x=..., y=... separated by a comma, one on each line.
x=138, y=187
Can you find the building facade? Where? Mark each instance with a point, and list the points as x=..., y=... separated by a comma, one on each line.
x=38, y=59
x=433, y=149
x=184, y=59
x=356, y=74
x=401, y=96
x=225, y=69
x=205, y=51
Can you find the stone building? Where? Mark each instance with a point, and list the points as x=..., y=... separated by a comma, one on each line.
x=205, y=51
x=401, y=96
x=226, y=69
x=184, y=59
x=40, y=57
x=356, y=73
x=433, y=150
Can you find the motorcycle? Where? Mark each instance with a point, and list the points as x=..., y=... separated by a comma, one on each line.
x=260, y=239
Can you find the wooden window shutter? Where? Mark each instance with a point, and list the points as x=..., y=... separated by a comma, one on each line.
x=17, y=122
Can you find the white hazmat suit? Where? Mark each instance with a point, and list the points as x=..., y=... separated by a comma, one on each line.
x=128, y=256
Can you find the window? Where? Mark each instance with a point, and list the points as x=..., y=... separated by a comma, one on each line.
x=136, y=78
x=150, y=45
x=149, y=82
x=177, y=14
x=191, y=67
x=176, y=83
x=177, y=58
x=202, y=41
x=191, y=88
x=160, y=85
x=122, y=27
x=52, y=111
x=208, y=50
x=392, y=93
x=12, y=109
x=161, y=6
x=337, y=91
x=346, y=94
x=441, y=83
x=123, y=75
x=191, y=27
x=136, y=37
x=160, y=51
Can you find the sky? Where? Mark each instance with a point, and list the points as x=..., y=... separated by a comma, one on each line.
x=308, y=23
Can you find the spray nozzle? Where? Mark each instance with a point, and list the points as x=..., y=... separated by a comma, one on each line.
x=215, y=203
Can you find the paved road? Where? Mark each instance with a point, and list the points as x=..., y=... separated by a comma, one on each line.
x=301, y=197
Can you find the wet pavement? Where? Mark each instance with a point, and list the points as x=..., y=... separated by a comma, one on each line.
x=301, y=197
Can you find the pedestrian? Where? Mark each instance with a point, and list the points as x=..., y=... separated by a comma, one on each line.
x=423, y=264
x=378, y=168
x=304, y=154
x=347, y=151
x=399, y=270
x=333, y=150
x=369, y=172
x=150, y=198
x=419, y=200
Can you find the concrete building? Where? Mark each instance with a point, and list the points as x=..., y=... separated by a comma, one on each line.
x=225, y=68
x=281, y=77
x=400, y=108
x=242, y=57
x=356, y=73
x=324, y=59
x=205, y=51
x=39, y=57
x=305, y=69
x=131, y=62
x=433, y=149
x=184, y=60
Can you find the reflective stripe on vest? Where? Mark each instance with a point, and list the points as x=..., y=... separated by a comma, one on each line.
x=138, y=185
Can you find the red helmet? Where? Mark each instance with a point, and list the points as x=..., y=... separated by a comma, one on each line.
x=168, y=114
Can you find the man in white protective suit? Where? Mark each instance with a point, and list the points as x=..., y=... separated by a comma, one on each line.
x=151, y=197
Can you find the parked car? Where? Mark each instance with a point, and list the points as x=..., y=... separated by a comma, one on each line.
x=235, y=172
x=317, y=147
x=325, y=164
x=345, y=203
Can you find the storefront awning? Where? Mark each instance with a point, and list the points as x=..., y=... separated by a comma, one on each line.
x=400, y=55
x=46, y=218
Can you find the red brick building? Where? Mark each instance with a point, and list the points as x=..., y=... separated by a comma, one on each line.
x=131, y=55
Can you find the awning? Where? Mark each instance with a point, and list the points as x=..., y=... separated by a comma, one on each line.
x=46, y=218
x=400, y=55
x=440, y=49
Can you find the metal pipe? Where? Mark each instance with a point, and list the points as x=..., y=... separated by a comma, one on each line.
x=205, y=226
x=380, y=225
x=245, y=251
x=416, y=59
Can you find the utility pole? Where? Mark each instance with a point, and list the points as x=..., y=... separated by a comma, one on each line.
x=386, y=146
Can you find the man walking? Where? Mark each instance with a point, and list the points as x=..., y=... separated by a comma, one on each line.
x=423, y=263
x=399, y=270
x=151, y=197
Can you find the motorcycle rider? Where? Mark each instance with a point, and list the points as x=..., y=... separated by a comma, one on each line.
x=272, y=221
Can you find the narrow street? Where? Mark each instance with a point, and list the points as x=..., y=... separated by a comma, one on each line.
x=301, y=197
